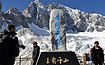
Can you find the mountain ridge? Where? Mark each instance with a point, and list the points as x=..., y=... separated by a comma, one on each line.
x=37, y=13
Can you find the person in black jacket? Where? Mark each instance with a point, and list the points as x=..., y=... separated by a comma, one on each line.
x=35, y=52
x=97, y=55
x=13, y=45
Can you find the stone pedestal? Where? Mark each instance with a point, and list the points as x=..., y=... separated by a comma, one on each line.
x=58, y=30
x=57, y=58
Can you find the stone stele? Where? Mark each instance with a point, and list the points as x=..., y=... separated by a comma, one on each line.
x=57, y=14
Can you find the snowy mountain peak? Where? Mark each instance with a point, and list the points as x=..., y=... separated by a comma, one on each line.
x=39, y=4
x=30, y=10
x=33, y=25
x=12, y=10
x=38, y=14
x=36, y=0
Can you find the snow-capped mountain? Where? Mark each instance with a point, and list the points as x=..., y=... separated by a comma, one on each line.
x=83, y=29
x=36, y=18
x=38, y=14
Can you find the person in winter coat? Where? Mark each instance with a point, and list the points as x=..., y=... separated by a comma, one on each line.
x=35, y=52
x=97, y=55
x=13, y=46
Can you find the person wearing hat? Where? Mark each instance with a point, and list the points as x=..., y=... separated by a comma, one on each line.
x=35, y=52
x=97, y=55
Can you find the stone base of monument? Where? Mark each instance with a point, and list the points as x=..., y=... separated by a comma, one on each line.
x=57, y=58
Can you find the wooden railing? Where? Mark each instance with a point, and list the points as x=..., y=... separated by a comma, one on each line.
x=84, y=59
x=20, y=59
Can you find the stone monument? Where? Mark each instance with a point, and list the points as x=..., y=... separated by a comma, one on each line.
x=59, y=55
x=58, y=30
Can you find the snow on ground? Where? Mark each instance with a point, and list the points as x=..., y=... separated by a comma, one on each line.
x=19, y=27
x=82, y=42
x=4, y=26
x=27, y=39
x=78, y=42
x=38, y=31
x=3, y=19
x=9, y=21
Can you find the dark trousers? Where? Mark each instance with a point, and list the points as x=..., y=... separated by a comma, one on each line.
x=11, y=61
x=98, y=63
x=35, y=62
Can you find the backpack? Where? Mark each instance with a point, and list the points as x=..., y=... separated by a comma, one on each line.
x=4, y=38
x=15, y=46
x=8, y=48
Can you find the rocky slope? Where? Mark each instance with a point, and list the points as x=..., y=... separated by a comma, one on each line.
x=37, y=13
x=36, y=18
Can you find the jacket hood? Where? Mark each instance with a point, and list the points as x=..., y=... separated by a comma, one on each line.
x=9, y=32
x=5, y=31
x=98, y=47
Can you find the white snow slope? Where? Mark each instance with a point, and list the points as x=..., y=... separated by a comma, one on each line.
x=80, y=43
